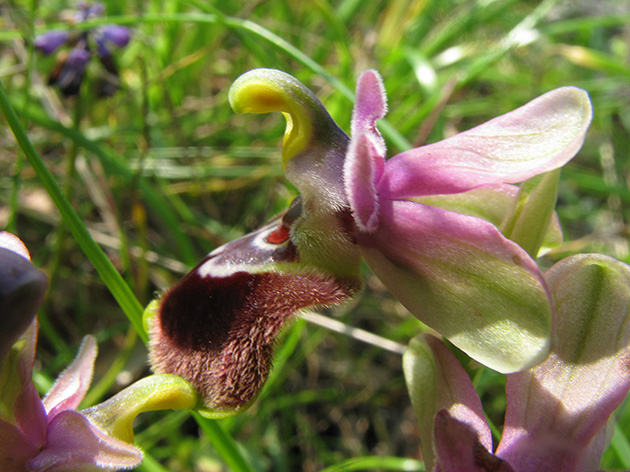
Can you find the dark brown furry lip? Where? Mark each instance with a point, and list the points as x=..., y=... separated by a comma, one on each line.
x=219, y=332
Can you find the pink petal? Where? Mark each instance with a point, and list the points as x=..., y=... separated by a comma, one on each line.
x=74, y=382
x=370, y=106
x=563, y=403
x=436, y=381
x=73, y=443
x=15, y=449
x=30, y=415
x=538, y=137
x=363, y=167
x=460, y=276
x=592, y=455
x=459, y=450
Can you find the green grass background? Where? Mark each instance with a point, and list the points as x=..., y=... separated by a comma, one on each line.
x=164, y=171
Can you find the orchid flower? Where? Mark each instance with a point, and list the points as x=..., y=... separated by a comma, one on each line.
x=459, y=274
x=48, y=435
x=557, y=412
x=456, y=272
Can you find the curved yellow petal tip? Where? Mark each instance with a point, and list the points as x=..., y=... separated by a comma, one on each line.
x=155, y=392
x=270, y=90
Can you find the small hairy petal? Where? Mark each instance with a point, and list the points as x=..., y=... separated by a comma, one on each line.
x=459, y=450
x=74, y=382
x=460, y=276
x=362, y=169
x=370, y=106
x=74, y=443
x=556, y=409
x=535, y=138
x=436, y=381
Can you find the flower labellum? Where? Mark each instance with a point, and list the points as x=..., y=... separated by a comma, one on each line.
x=454, y=271
x=218, y=326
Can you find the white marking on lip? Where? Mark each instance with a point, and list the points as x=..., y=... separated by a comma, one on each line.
x=216, y=251
x=218, y=266
x=212, y=269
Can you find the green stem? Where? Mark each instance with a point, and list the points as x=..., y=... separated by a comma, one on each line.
x=19, y=159
x=224, y=444
x=60, y=238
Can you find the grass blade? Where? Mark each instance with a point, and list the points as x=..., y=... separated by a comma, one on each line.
x=106, y=270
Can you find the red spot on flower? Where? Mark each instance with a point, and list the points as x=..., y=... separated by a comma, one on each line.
x=279, y=235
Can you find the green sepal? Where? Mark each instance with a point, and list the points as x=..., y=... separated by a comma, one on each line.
x=529, y=220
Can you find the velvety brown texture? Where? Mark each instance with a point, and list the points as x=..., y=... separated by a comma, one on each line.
x=219, y=332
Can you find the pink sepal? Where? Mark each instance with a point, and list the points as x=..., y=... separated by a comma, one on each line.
x=461, y=276
x=74, y=382
x=458, y=448
x=74, y=443
x=538, y=137
x=556, y=409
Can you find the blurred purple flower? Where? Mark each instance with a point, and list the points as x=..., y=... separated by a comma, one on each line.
x=69, y=70
x=557, y=412
x=88, y=10
x=115, y=34
x=69, y=75
x=48, y=435
x=51, y=41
